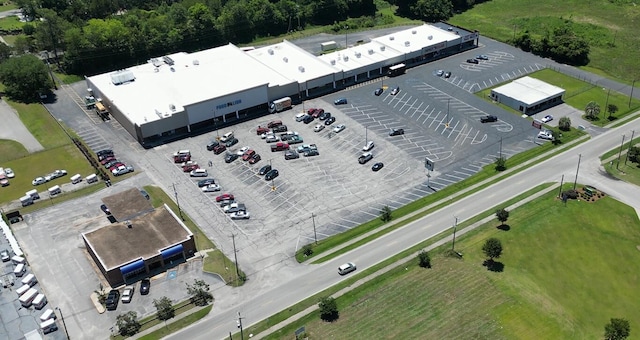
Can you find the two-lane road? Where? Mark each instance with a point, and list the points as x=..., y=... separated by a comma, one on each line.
x=318, y=277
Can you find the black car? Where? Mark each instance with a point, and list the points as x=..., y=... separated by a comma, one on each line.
x=230, y=157
x=263, y=171
x=447, y=74
x=273, y=173
x=212, y=145
x=488, y=119
x=231, y=142
x=311, y=153
x=378, y=91
x=112, y=300
x=291, y=154
x=145, y=286
x=112, y=163
x=472, y=61
x=377, y=166
x=330, y=121
x=205, y=182
x=307, y=119
x=279, y=128
x=396, y=132
x=145, y=194
x=324, y=115
x=105, y=209
x=104, y=152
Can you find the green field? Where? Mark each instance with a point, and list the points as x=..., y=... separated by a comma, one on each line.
x=41, y=125
x=566, y=273
x=610, y=27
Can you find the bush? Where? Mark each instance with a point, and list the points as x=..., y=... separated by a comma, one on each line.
x=328, y=309
x=570, y=194
x=564, y=124
x=307, y=250
x=385, y=214
x=424, y=260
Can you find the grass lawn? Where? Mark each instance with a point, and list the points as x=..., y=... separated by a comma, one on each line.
x=7, y=6
x=609, y=26
x=566, y=273
x=11, y=23
x=10, y=149
x=10, y=39
x=41, y=125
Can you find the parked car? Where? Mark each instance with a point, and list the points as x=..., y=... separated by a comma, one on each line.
x=145, y=194
x=248, y=154
x=242, y=150
x=330, y=121
x=439, y=73
x=395, y=90
x=377, y=166
x=106, y=160
x=396, y=132
x=279, y=147
x=230, y=157
x=317, y=113
x=261, y=130
x=271, y=138
x=291, y=154
x=311, y=153
x=112, y=299
x=38, y=181
x=488, y=119
x=4, y=254
x=378, y=91
x=447, y=74
x=273, y=173
x=318, y=128
x=58, y=173
x=231, y=142
x=225, y=196
x=263, y=171
x=145, y=286
x=122, y=170
x=240, y=215
x=472, y=61
x=205, y=182
x=254, y=159
x=339, y=128
x=105, y=209
x=300, y=116
x=218, y=149
x=225, y=203
x=545, y=119
x=545, y=134
x=279, y=128
x=234, y=207
x=111, y=168
x=346, y=268
x=340, y=101
x=190, y=167
x=307, y=119
x=306, y=147
x=112, y=163
x=324, y=115
x=211, y=188
x=365, y=157
x=104, y=152
x=127, y=294
x=368, y=146
x=212, y=145
x=482, y=57
x=181, y=158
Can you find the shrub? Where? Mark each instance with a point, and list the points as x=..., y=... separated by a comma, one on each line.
x=424, y=260
x=571, y=194
x=307, y=250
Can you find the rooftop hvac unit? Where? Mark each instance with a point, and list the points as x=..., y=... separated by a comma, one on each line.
x=345, y=58
x=166, y=115
x=155, y=62
x=156, y=69
x=172, y=69
x=285, y=59
x=172, y=107
x=392, y=38
x=333, y=61
x=121, y=77
x=270, y=51
x=301, y=68
x=414, y=32
x=168, y=60
x=430, y=37
x=196, y=62
x=407, y=43
x=382, y=48
x=370, y=51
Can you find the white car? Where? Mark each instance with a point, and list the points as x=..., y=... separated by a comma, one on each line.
x=242, y=151
x=234, y=207
x=211, y=188
x=121, y=170
x=339, y=128
x=346, y=268
x=318, y=128
x=58, y=174
x=547, y=118
x=271, y=138
x=266, y=134
x=9, y=173
x=238, y=215
x=300, y=116
x=127, y=294
x=546, y=134
x=368, y=146
x=39, y=180
x=189, y=163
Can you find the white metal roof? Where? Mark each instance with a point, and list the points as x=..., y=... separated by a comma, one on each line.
x=292, y=62
x=361, y=55
x=416, y=38
x=193, y=78
x=529, y=90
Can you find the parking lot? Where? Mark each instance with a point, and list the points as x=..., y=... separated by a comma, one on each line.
x=330, y=193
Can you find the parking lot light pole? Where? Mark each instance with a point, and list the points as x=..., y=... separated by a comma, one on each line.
x=447, y=119
x=175, y=192
x=455, y=226
x=315, y=235
x=63, y=323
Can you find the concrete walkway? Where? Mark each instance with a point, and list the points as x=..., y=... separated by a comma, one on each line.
x=12, y=128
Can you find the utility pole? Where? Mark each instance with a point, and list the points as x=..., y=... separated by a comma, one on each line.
x=175, y=192
x=500, y=147
x=631, y=95
x=315, y=235
x=561, y=182
x=620, y=153
x=235, y=255
x=63, y=323
x=606, y=103
x=626, y=157
x=240, y=326
x=366, y=139
x=447, y=119
x=575, y=182
x=455, y=226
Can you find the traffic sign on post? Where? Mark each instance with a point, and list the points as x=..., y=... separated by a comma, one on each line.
x=428, y=164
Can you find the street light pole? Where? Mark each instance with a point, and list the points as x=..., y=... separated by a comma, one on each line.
x=626, y=157
x=240, y=326
x=315, y=235
x=620, y=153
x=631, y=95
x=175, y=192
x=63, y=323
x=575, y=182
x=447, y=123
x=455, y=226
x=235, y=255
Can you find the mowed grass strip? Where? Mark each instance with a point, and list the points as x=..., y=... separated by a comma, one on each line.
x=10, y=149
x=567, y=271
x=41, y=125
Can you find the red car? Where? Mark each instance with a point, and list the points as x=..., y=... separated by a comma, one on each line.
x=317, y=113
x=115, y=166
x=311, y=111
x=190, y=167
x=223, y=197
x=254, y=159
x=181, y=158
x=107, y=160
x=248, y=154
x=262, y=129
x=218, y=149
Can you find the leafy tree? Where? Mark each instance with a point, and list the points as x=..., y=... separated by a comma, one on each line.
x=502, y=215
x=634, y=154
x=433, y=10
x=199, y=293
x=307, y=250
x=556, y=137
x=564, y=124
x=612, y=108
x=24, y=77
x=569, y=47
x=592, y=110
x=128, y=323
x=617, y=329
x=492, y=248
x=5, y=52
x=424, y=260
x=328, y=309
x=164, y=307
x=385, y=214
x=501, y=164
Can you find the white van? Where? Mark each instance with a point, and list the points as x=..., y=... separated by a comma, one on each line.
x=26, y=200
x=33, y=193
x=199, y=173
x=40, y=301
x=26, y=299
x=91, y=178
x=300, y=116
x=75, y=179
x=54, y=190
x=18, y=259
x=23, y=289
x=29, y=280
x=226, y=136
x=48, y=314
x=49, y=326
x=19, y=270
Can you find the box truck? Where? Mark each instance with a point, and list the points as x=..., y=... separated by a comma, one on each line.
x=280, y=105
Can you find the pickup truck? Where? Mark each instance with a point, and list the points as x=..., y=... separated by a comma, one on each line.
x=307, y=147
x=279, y=147
x=295, y=139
